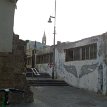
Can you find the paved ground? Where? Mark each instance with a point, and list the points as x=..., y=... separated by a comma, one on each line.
x=64, y=96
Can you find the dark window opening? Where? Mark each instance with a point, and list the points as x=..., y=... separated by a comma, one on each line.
x=44, y=58
x=87, y=52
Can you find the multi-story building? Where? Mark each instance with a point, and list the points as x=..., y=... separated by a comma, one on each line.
x=82, y=64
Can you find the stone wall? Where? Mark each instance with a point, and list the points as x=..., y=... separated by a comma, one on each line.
x=12, y=66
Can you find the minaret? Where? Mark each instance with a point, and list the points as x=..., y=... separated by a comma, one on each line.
x=44, y=39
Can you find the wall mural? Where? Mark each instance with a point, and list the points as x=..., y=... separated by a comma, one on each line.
x=85, y=69
x=71, y=69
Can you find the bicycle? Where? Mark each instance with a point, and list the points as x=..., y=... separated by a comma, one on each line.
x=5, y=99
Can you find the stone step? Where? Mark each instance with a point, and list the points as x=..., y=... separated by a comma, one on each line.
x=44, y=79
x=47, y=83
x=42, y=75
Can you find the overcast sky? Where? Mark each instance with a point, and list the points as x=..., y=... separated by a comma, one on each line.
x=75, y=19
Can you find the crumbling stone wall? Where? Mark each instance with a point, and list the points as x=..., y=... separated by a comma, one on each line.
x=12, y=67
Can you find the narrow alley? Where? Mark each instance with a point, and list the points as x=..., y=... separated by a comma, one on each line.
x=64, y=96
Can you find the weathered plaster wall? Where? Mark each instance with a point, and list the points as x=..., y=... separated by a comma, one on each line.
x=6, y=25
x=87, y=74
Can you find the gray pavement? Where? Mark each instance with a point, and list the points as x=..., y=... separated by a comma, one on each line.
x=64, y=96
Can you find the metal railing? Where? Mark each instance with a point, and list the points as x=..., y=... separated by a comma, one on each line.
x=35, y=72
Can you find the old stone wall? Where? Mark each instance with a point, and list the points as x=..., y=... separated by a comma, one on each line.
x=12, y=66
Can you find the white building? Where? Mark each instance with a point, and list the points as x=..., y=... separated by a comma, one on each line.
x=82, y=64
x=7, y=8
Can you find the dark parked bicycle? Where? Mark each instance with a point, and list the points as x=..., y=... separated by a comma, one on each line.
x=5, y=99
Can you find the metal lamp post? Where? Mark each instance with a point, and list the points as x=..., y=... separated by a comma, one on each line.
x=50, y=21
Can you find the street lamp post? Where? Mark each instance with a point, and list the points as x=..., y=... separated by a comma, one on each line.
x=53, y=69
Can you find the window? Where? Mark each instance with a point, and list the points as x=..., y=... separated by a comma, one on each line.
x=81, y=53
x=93, y=51
x=87, y=52
x=69, y=54
x=44, y=58
x=76, y=53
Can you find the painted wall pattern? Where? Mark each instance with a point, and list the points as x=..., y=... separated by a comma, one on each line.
x=85, y=69
x=71, y=69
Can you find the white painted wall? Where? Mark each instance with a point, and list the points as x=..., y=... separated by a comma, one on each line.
x=6, y=25
x=76, y=73
x=90, y=81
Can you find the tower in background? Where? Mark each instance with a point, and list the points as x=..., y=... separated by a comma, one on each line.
x=44, y=39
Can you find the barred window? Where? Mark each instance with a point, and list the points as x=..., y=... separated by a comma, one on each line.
x=76, y=53
x=93, y=51
x=44, y=58
x=83, y=53
x=87, y=52
x=69, y=55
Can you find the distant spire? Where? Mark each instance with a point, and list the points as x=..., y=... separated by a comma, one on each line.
x=35, y=44
x=44, y=39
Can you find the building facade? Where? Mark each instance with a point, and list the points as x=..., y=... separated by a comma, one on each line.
x=82, y=64
x=7, y=8
x=31, y=48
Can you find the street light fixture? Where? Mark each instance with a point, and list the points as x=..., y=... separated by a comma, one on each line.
x=50, y=21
